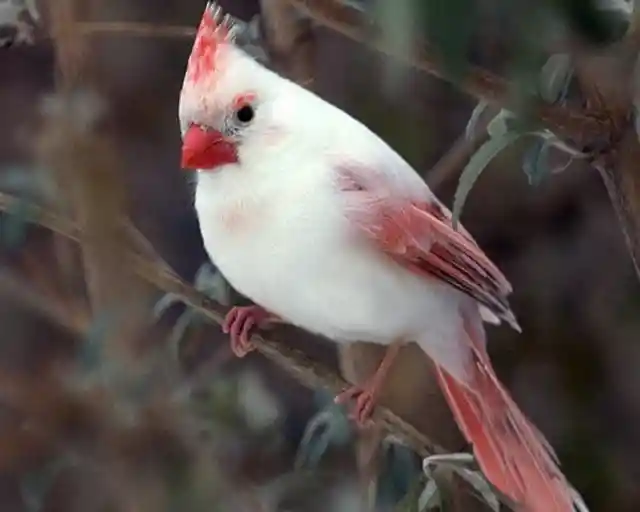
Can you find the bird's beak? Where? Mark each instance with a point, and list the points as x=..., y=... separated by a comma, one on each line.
x=206, y=149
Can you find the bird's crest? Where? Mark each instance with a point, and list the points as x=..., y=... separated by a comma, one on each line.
x=217, y=30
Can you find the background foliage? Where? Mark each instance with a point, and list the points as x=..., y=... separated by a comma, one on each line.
x=152, y=413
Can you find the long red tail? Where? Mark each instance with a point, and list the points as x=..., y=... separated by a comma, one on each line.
x=512, y=453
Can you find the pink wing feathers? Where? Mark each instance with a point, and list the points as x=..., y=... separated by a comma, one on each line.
x=419, y=235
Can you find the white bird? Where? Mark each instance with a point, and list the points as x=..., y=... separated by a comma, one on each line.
x=324, y=226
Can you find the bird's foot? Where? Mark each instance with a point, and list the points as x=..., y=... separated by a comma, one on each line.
x=365, y=398
x=239, y=324
x=367, y=395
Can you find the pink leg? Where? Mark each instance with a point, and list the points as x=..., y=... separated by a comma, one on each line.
x=367, y=395
x=239, y=323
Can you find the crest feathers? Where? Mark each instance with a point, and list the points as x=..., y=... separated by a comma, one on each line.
x=216, y=31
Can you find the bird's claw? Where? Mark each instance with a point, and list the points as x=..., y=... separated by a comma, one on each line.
x=239, y=323
x=365, y=398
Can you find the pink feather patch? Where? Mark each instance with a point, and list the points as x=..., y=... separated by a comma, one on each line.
x=418, y=234
x=214, y=34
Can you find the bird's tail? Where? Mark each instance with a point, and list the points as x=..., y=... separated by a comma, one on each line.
x=514, y=456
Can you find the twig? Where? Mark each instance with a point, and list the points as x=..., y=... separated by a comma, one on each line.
x=567, y=123
x=84, y=162
x=585, y=130
x=574, y=125
x=135, y=29
x=604, y=78
x=296, y=363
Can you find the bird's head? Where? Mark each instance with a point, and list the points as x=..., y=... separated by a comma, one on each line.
x=226, y=100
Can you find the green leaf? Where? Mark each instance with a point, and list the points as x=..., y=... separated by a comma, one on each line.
x=501, y=124
x=472, y=124
x=555, y=77
x=29, y=183
x=474, y=168
x=330, y=426
x=210, y=281
x=188, y=320
x=535, y=162
x=458, y=463
x=164, y=303
x=13, y=224
x=399, y=470
x=477, y=480
x=429, y=498
x=411, y=500
x=91, y=352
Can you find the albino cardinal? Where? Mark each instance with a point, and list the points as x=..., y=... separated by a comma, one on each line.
x=324, y=226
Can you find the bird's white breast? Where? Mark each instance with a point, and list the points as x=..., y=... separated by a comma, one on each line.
x=288, y=247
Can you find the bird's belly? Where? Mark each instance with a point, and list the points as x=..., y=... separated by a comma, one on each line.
x=346, y=294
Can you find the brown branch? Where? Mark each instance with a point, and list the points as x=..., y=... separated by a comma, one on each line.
x=577, y=126
x=84, y=163
x=607, y=83
x=136, y=29
x=309, y=373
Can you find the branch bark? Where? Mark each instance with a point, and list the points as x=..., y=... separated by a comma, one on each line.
x=582, y=128
x=158, y=273
x=579, y=127
x=411, y=389
x=607, y=82
x=85, y=167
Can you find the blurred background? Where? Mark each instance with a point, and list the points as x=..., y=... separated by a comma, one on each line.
x=82, y=430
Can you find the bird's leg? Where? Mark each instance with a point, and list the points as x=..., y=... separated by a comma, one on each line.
x=367, y=395
x=239, y=323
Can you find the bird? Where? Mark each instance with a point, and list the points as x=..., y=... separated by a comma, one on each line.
x=322, y=225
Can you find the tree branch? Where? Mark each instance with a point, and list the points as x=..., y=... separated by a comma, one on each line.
x=577, y=126
x=583, y=129
x=606, y=80
x=309, y=373
x=136, y=29
x=84, y=163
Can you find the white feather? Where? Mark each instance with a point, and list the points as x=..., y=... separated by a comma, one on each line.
x=275, y=227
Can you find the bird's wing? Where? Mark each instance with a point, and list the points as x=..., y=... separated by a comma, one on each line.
x=403, y=218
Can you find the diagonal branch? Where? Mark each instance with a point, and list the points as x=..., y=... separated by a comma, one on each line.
x=136, y=29
x=575, y=125
x=157, y=272
x=567, y=123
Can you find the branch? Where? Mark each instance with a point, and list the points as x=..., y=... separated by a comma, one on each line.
x=136, y=29
x=581, y=128
x=83, y=160
x=158, y=273
x=606, y=80
x=567, y=123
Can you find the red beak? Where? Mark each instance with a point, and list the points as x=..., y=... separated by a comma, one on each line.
x=206, y=149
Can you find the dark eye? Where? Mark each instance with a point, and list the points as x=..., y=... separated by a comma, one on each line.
x=245, y=114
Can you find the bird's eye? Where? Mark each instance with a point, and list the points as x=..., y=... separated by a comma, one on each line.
x=245, y=114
